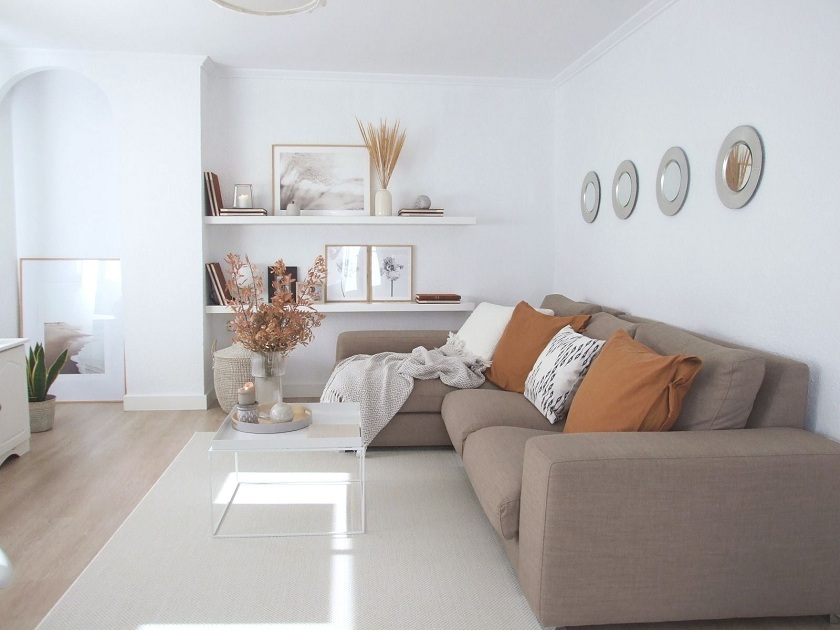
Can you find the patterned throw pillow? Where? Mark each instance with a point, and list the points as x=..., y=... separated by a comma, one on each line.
x=558, y=371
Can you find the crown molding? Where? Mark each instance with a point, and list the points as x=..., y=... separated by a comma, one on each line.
x=296, y=75
x=640, y=19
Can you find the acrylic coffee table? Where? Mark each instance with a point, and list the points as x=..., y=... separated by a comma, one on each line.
x=305, y=482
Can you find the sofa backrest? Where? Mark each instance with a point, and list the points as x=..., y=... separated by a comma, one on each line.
x=781, y=398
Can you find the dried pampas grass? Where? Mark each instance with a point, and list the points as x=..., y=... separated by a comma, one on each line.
x=384, y=144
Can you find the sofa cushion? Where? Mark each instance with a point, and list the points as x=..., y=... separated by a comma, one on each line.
x=723, y=394
x=493, y=459
x=525, y=336
x=603, y=325
x=468, y=410
x=630, y=387
x=558, y=371
x=563, y=306
x=484, y=327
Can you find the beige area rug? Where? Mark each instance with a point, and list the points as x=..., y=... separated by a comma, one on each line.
x=429, y=559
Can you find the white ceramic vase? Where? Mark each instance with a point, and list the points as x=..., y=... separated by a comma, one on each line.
x=382, y=203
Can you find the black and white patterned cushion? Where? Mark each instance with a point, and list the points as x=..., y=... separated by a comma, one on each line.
x=558, y=371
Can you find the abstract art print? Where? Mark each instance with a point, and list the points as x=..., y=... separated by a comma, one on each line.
x=391, y=273
x=321, y=179
x=347, y=276
x=77, y=304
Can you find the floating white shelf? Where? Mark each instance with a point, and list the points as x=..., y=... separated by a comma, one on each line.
x=371, y=307
x=330, y=220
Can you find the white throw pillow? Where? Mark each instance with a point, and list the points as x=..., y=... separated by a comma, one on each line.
x=481, y=332
x=561, y=366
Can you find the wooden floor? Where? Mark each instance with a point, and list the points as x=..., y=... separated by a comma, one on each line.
x=60, y=503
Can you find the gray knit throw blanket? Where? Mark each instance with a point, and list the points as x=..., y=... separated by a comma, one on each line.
x=381, y=383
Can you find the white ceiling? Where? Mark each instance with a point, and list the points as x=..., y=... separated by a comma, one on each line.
x=535, y=39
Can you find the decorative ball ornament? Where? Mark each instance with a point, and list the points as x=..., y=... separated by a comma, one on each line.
x=422, y=202
x=281, y=412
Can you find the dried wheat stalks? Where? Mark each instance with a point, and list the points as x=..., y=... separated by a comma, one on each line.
x=384, y=145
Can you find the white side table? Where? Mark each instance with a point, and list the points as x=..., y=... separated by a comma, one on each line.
x=14, y=405
x=305, y=482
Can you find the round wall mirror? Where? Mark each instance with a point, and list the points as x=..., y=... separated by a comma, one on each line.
x=590, y=196
x=625, y=189
x=738, y=167
x=672, y=181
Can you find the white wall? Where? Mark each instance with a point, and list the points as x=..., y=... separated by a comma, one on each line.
x=65, y=170
x=475, y=148
x=155, y=102
x=766, y=274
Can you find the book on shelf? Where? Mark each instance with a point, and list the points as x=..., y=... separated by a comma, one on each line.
x=421, y=212
x=437, y=298
x=218, y=283
x=243, y=212
x=214, y=193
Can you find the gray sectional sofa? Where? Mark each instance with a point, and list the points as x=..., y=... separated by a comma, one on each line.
x=733, y=513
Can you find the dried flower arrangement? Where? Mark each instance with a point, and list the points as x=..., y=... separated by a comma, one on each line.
x=384, y=145
x=282, y=323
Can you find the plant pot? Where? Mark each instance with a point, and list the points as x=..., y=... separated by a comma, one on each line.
x=42, y=415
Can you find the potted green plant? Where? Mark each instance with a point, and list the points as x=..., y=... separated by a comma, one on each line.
x=39, y=379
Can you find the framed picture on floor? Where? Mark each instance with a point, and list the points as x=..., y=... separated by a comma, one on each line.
x=76, y=304
x=347, y=273
x=391, y=273
x=321, y=179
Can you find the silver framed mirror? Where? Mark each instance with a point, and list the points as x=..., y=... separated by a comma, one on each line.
x=625, y=189
x=590, y=196
x=738, y=167
x=672, y=181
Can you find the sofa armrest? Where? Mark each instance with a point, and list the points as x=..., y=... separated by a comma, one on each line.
x=680, y=525
x=375, y=341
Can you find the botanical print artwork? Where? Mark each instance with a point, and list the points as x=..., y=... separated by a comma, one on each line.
x=346, y=273
x=391, y=273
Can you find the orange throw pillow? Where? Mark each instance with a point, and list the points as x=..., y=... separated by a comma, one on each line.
x=524, y=338
x=630, y=387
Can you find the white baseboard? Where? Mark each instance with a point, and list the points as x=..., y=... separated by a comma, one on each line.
x=165, y=403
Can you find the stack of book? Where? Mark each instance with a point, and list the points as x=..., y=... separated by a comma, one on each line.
x=215, y=207
x=437, y=298
x=242, y=212
x=219, y=288
x=421, y=212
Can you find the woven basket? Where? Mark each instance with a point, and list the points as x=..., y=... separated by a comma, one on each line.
x=231, y=370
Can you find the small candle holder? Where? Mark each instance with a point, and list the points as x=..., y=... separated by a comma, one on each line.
x=248, y=413
x=242, y=197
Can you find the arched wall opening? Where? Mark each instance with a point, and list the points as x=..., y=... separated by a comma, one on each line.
x=58, y=169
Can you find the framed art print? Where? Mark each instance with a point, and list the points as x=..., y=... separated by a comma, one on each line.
x=347, y=273
x=316, y=292
x=290, y=271
x=321, y=179
x=76, y=304
x=391, y=273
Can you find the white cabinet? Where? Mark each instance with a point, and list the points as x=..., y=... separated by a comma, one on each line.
x=14, y=405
